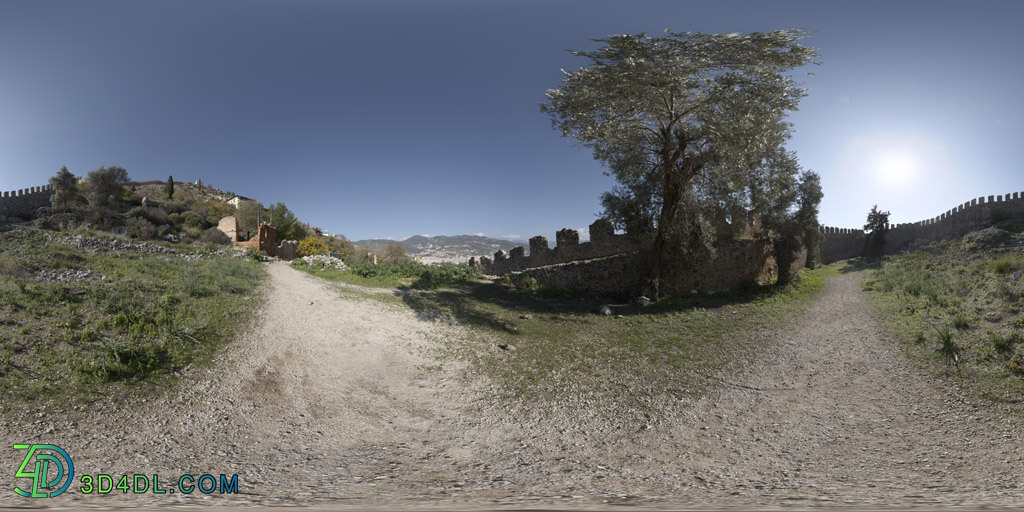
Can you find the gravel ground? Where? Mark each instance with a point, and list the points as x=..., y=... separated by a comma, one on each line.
x=327, y=402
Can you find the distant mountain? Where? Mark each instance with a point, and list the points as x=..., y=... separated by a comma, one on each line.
x=455, y=249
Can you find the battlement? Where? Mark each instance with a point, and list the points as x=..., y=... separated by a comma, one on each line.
x=568, y=248
x=842, y=243
x=24, y=202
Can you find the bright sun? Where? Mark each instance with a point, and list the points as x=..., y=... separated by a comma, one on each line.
x=896, y=168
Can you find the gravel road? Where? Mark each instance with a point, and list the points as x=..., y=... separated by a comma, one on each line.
x=331, y=401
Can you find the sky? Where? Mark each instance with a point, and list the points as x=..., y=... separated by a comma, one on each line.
x=387, y=119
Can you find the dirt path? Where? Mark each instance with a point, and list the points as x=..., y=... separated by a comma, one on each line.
x=326, y=402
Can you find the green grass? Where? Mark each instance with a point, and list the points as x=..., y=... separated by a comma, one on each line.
x=649, y=358
x=956, y=303
x=154, y=315
x=391, y=275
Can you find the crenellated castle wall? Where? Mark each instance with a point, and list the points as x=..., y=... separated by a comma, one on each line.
x=603, y=242
x=614, y=264
x=22, y=204
x=841, y=243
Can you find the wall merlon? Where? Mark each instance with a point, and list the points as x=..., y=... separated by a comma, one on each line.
x=602, y=231
x=565, y=237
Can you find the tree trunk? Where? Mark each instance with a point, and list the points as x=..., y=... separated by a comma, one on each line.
x=666, y=218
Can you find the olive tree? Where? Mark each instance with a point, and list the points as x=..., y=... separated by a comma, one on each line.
x=684, y=122
x=105, y=186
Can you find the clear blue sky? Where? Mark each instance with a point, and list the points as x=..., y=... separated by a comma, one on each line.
x=391, y=118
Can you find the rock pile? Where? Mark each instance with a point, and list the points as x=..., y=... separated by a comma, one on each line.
x=327, y=261
x=96, y=245
x=66, y=275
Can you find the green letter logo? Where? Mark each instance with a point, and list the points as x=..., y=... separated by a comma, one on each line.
x=40, y=470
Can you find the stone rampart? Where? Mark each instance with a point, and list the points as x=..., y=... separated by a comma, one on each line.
x=735, y=263
x=603, y=242
x=841, y=243
x=22, y=204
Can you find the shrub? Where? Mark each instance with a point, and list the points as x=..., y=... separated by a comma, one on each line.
x=195, y=221
x=139, y=228
x=311, y=245
x=10, y=267
x=102, y=217
x=1016, y=364
x=175, y=207
x=947, y=347
x=435, y=275
x=960, y=321
x=214, y=236
x=505, y=280
x=1001, y=344
x=1007, y=264
x=255, y=255
x=528, y=283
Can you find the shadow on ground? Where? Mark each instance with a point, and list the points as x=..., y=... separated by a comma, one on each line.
x=487, y=304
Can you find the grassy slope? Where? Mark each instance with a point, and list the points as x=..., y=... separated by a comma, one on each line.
x=566, y=352
x=154, y=315
x=960, y=298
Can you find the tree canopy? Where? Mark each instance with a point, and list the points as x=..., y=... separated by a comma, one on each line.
x=284, y=221
x=65, y=189
x=105, y=186
x=692, y=126
x=877, y=227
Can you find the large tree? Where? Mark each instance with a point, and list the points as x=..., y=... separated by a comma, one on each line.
x=684, y=122
x=65, y=189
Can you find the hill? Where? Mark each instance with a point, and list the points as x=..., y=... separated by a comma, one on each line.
x=455, y=249
x=957, y=303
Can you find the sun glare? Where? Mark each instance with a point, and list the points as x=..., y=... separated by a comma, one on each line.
x=896, y=168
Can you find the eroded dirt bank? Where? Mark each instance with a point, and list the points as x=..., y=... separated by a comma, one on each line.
x=326, y=401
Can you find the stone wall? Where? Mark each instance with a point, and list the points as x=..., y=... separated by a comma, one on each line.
x=22, y=204
x=839, y=243
x=287, y=249
x=229, y=226
x=735, y=263
x=263, y=241
x=611, y=263
x=603, y=242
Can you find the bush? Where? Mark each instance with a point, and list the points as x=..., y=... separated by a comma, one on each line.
x=157, y=216
x=311, y=245
x=528, y=283
x=195, y=221
x=102, y=217
x=1002, y=344
x=436, y=275
x=1007, y=264
x=175, y=207
x=1016, y=364
x=214, y=236
x=139, y=228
